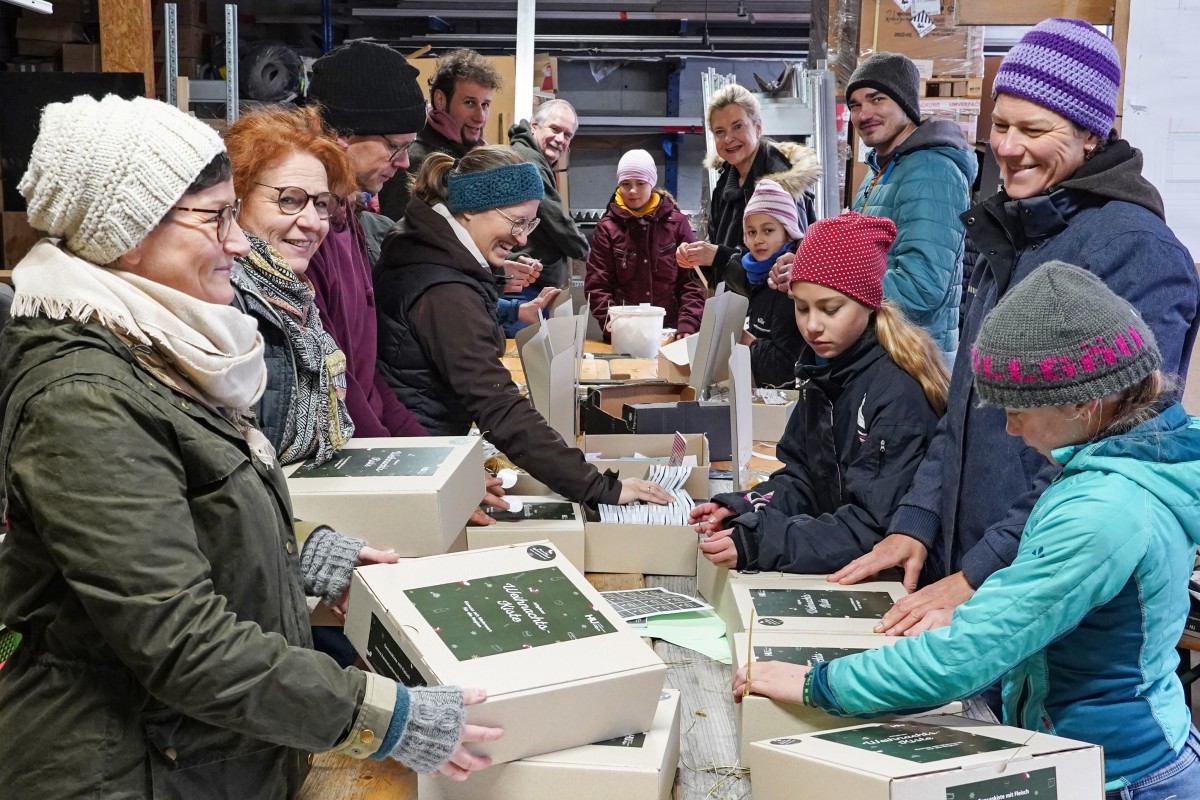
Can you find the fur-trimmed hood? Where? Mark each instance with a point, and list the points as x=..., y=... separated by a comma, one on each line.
x=797, y=179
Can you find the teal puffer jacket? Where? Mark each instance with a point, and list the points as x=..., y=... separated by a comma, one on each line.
x=923, y=189
x=1083, y=625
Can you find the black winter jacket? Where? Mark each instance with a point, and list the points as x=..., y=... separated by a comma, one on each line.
x=850, y=450
x=440, y=347
x=771, y=319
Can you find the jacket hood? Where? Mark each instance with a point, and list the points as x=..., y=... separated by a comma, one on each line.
x=1115, y=173
x=1157, y=455
x=424, y=236
x=523, y=134
x=797, y=179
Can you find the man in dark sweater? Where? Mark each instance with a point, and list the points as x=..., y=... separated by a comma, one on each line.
x=460, y=103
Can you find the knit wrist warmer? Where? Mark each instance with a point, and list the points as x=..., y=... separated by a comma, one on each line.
x=326, y=562
x=436, y=716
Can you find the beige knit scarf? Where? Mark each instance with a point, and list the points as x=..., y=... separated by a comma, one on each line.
x=215, y=349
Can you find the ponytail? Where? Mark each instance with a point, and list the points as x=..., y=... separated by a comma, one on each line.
x=915, y=352
x=1140, y=402
x=432, y=182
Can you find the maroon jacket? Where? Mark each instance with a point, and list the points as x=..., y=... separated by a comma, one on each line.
x=632, y=261
x=341, y=276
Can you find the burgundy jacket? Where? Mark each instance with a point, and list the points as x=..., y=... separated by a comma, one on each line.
x=632, y=261
x=341, y=276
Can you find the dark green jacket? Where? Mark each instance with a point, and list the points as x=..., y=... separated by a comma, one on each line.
x=151, y=566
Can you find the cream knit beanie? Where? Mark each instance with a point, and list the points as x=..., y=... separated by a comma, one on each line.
x=103, y=174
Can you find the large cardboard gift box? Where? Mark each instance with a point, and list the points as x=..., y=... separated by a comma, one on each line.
x=763, y=718
x=560, y=667
x=810, y=603
x=918, y=758
x=414, y=495
x=556, y=520
x=639, y=766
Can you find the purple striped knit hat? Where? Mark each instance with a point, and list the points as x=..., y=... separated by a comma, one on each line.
x=1069, y=67
x=773, y=200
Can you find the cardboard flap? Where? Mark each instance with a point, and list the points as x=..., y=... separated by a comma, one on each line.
x=549, y=354
x=724, y=316
x=679, y=352
x=741, y=424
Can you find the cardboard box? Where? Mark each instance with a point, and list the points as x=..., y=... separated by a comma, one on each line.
x=710, y=417
x=550, y=353
x=187, y=12
x=637, y=766
x=763, y=718
x=675, y=360
x=39, y=48
x=81, y=57
x=193, y=41
x=560, y=667
x=188, y=68
x=810, y=603
x=953, y=50
x=558, y=521
x=649, y=549
x=603, y=410
x=49, y=29
x=927, y=757
x=414, y=495
x=616, y=452
x=770, y=421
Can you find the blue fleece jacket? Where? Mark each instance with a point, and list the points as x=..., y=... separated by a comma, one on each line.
x=923, y=188
x=972, y=493
x=1083, y=625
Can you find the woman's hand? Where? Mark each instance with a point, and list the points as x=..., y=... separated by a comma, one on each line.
x=531, y=312
x=709, y=518
x=493, y=495
x=690, y=255
x=639, y=489
x=780, y=276
x=720, y=549
x=521, y=272
x=462, y=761
x=368, y=555
x=777, y=680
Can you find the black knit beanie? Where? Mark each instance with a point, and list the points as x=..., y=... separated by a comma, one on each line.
x=893, y=74
x=367, y=88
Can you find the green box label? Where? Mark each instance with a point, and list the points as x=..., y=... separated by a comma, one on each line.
x=1041, y=784
x=378, y=462
x=917, y=742
x=503, y=613
x=551, y=510
x=820, y=603
x=803, y=655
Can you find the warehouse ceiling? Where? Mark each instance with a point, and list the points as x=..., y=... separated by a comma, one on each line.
x=757, y=29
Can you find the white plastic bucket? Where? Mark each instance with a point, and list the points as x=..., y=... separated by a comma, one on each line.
x=636, y=330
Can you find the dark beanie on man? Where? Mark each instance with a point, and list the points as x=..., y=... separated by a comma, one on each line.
x=366, y=88
x=1059, y=337
x=896, y=76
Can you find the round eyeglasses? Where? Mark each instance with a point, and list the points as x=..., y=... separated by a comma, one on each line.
x=223, y=216
x=292, y=200
x=396, y=149
x=520, y=228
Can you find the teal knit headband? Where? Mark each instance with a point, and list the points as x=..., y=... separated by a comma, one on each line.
x=494, y=188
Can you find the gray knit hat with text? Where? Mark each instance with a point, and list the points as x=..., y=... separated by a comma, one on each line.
x=893, y=74
x=1060, y=336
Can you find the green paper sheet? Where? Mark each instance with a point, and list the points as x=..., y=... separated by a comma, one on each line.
x=702, y=631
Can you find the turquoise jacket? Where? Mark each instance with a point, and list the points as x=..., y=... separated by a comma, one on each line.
x=1083, y=625
x=923, y=189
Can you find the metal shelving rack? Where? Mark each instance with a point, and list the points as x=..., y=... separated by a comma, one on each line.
x=225, y=91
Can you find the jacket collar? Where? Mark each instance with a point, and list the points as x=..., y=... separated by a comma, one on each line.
x=835, y=375
x=1171, y=418
x=425, y=236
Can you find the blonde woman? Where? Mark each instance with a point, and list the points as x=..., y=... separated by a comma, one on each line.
x=872, y=388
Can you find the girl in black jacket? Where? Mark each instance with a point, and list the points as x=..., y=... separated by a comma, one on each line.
x=872, y=386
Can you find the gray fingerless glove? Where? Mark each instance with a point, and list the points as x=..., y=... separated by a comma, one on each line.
x=435, y=721
x=326, y=562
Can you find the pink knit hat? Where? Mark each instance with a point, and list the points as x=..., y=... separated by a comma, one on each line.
x=847, y=253
x=773, y=200
x=637, y=165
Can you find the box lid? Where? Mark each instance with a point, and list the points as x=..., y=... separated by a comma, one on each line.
x=400, y=465
x=922, y=745
x=809, y=602
x=640, y=751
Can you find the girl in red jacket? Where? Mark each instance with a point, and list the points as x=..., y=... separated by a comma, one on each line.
x=632, y=259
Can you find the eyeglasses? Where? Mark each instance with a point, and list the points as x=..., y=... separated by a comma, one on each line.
x=397, y=149
x=520, y=228
x=292, y=200
x=223, y=216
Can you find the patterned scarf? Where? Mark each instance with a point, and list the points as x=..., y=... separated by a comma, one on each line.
x=318, y=423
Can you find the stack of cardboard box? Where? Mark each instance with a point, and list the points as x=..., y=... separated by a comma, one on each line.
x=45, y=42
x=194, y=42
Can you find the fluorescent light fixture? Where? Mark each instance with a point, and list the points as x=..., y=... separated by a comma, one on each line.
x=40, y=6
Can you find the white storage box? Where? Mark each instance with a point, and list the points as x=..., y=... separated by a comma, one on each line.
x=556, y=520
x=560, y=667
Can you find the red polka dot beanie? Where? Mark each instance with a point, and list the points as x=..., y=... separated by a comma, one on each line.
x=847, y=253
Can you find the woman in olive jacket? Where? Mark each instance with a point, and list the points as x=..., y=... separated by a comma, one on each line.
x=150, y=563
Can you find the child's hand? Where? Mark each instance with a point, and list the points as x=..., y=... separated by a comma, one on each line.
x=709, y=518
x=777, y=680
x=780, y=276
x=720, y=549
